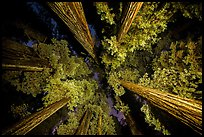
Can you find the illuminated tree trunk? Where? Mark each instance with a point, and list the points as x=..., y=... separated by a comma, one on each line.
x=131, y=123
x=72, y=14
x=20, y=57
x=128, y=15
x=29, y=123
x=188, y=111
x=100, y=123
x=84, y=126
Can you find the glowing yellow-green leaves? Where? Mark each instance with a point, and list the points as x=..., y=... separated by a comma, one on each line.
x=152, y=121
x=105, y=12
x=177, y=72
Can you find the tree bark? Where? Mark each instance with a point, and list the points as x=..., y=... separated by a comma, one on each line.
x=100, y=123
x=188, y=111
x=29, y=123
x=130, y=122
x=128, y=15
x=84, y=126
x=16, y=56
x=72, y=14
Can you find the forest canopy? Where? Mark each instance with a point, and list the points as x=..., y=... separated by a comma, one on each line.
x=161, y=49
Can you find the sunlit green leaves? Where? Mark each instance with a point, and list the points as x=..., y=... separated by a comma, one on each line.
x=177, y=72
x=97, y=106
x=70, y=126
x=152, y=121
x=105, y=12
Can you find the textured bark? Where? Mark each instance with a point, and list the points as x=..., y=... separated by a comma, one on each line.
x=84, y=126
x=29, y=123
x=16, y=56
x=131, y=123
x=72, y=14
x=100, y=123
x=188, y=111
x=128, y=15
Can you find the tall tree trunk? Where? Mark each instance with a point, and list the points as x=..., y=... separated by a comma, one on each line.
x=84, y=126
x=35, y=119
x=128, y=15
x=72, y=14
x=16, y=56
x=188, y=111
x=100, y=123
x=130, y=121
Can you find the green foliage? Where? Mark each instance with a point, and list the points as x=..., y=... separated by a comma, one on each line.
x=60, y=59
x=68, y=75
x=151, y=20
x=78, y=91
x=20, y=111
x=114, y=50
x=63, y=66
x=152, y=121
x=177, y=68
x=98, y=104
x=122, y=107
x=70, y=126
x=105, y=12
x=27, y=82
x=189, y=9
x=178, y=71
x=114, y=83
x=131, y=70
x=33, y=82
x=126, y=74
x=12, y=77
x=107, y=124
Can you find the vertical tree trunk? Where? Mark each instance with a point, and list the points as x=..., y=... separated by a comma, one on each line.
x=84, y=126
x=130, y=122
x=35, y=119
x=128, y=15
x=16, y=56
x=100, y=123
x=72, y=14
x=188, y=111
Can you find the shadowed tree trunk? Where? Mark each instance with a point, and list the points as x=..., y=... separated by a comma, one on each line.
x=128, y=15
x=188, y=111
x=30, y=32
x=84, y=126
x=16, y=56
x=29, y=123
x=130, y=121
x=72, y=14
